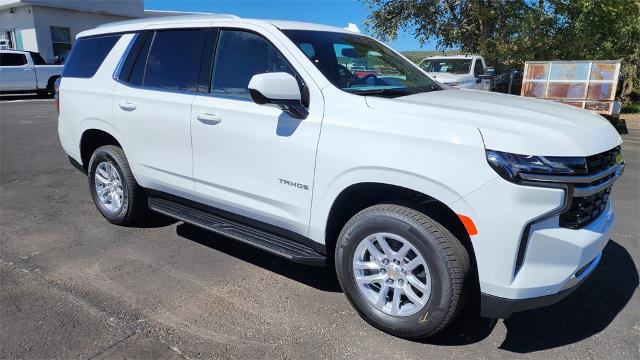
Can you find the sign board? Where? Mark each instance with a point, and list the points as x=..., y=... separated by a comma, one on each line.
x=589, y=85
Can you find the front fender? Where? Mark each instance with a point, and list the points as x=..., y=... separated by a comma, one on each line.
x=324, y=198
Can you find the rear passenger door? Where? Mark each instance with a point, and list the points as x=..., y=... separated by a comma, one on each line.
x=250, y=159
x=16, y=73
x=152, y=105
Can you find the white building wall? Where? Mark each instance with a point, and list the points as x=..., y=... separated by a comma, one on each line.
x=21, y=22
x=76, y=21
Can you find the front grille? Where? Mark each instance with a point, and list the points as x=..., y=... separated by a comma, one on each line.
x=584, y=210
x=599, y=162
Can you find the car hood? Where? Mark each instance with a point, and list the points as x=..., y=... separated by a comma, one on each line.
x=446, y=77
x=511, y=123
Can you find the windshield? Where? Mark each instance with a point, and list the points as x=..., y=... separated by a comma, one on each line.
x=360, y=65
x=451, y=66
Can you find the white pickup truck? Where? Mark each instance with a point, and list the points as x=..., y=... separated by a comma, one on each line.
x=461, y=71
x=25, y=71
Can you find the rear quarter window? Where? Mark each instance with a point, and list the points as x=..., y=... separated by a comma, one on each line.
x=87, y=55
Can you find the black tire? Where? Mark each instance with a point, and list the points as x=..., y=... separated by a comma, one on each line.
x=446, y=257
x=134, y=204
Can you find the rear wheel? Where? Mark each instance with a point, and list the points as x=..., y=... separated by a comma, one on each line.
x=402, y=271
x=113, y=188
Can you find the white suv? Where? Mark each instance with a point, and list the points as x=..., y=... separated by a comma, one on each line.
x=420, y=197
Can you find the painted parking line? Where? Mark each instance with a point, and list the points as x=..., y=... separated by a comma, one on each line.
x=24, y=100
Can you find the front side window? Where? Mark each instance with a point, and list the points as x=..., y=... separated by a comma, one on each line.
x=239, y=56
x=12, y=59
x=478, y=69
x=360, y=65
x=61, y=40
x=451, y=66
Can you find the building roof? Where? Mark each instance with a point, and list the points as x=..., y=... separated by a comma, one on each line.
x=140, y=24
x=129, y=8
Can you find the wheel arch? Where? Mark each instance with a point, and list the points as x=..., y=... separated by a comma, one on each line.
x=93, y=138
x=359, y=196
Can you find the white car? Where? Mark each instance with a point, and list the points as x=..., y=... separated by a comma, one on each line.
x=420, y=197
x=461, y=71
x=25, y=71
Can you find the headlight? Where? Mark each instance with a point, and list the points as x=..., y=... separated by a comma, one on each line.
x=510, y=165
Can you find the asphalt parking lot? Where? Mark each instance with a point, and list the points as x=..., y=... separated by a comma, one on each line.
x=74, y=286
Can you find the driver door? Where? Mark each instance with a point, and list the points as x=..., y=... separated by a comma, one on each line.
x=249, y=159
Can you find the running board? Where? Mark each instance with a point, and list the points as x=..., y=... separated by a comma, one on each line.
x=275, y=244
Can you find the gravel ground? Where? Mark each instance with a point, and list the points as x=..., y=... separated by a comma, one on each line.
x=74, y=286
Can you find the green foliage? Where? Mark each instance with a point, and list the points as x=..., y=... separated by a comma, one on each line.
x=514, y=31
x=418, y=56
x=631, y=108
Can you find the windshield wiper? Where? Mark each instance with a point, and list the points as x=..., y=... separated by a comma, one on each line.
x=428, y=88
x=383, y=92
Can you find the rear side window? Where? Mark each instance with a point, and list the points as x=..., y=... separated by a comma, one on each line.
x=132, y=71
x=37, y=59
x=12, y=59
x=166, y=59
x=174, y=60
x=87, y=55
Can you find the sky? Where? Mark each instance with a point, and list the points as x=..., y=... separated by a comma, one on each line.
x=329, y=12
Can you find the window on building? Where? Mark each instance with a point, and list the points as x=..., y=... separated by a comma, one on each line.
x=87, y=56
x=12, y=59
x=230, y=76
x=61, y=40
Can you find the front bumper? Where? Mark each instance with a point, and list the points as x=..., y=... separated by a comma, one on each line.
x=502, y=308
x=555, y=259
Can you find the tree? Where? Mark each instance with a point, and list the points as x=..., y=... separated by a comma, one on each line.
x=514, y=31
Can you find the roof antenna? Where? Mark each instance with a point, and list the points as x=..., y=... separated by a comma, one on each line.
x=353, y=27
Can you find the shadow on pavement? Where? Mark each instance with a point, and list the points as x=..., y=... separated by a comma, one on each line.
x=11, y=97
x=321, y=278
x=584, y=313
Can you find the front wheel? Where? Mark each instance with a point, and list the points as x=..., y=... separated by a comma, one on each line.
x=402, y=271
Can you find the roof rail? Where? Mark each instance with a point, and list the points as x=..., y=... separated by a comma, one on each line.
x=170, y=18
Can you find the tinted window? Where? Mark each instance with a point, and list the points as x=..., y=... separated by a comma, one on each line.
x=478, y=69
x=11, y=59
x=239, y=56
x=132, y=70
x=87, y=56
x=37, y=59
x=174, y=59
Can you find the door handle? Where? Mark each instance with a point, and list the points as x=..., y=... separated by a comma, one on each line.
x=127, y=105
x=26, y=69
x=209, y=119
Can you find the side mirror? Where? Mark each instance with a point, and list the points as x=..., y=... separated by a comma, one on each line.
x=280, y=89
